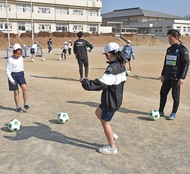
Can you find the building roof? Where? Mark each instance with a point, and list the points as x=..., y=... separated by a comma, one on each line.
x=138, y=12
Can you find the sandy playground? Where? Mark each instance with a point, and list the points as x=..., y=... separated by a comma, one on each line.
x=43, y=146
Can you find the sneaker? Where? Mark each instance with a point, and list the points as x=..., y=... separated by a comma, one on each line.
x=115, y=136
x=161, y=113
x=19, y=109
x=26, y=107
x=108, y=150
x=172, y=116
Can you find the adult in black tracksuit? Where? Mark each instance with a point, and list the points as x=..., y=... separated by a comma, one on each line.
x=80, y=51
x=112, y=84
x=174, y=72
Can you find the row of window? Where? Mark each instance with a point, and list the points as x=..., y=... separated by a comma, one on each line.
x=47, y=10
x=26, y=27
x=179, y=28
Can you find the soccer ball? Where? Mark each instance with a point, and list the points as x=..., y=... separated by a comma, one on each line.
x=154, y=114
x=63, y=117
x=14, y=125
x=43, y=59
x=88, y=49
x=59, y=58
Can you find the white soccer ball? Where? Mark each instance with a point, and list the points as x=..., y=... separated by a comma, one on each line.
x=63, y=117
x=14, y=125
x=154, y=114
x=59, y=58
x=43, y=59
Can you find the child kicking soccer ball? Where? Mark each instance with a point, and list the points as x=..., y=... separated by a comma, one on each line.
x=112, y=84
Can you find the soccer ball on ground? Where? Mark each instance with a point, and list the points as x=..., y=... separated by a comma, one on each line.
x=14, y=125
x=154, y=114
x=59, y=58
x=63, y=117
x=43, y=59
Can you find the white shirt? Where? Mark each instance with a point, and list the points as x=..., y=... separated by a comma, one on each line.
x=35, y=47
x=14, y=65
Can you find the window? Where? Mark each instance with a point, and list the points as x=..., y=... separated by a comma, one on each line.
x=188, y=29
x=77, y=28
x=62, y=27
x=92, y=28
x=23, y=8
x=4, y=26
x=44, y=27
x=158, y=30
x=78, y=12
x=43, y=10
x=178, y=28
x=3, y=7
x=62, y=11
x=92, y=13
x=24, y=26
x=184, y=29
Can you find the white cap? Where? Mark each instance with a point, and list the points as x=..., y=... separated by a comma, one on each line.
x=112, y=46
x=65, y=42
x=16, y=47
x=128, y=41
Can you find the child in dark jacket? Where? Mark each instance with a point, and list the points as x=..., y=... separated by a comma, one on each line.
x=112, y=84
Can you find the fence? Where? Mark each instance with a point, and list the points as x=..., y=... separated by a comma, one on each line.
x=25, y=52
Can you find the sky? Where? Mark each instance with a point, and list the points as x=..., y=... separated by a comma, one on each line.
x=174, y=7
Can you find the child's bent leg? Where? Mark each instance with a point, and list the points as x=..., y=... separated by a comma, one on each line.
x=25, y=93
x=16, y=97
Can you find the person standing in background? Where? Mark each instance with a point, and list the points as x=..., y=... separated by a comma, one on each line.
x=80, y=52
x=49, y=43
x=70, y=46
x=33, y=51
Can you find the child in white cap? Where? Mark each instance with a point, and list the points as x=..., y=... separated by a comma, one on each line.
x=15, y=74
x=64, y=50
x=111, y=83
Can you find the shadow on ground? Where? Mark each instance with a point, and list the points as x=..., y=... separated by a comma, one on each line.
x=55, y=78
x=123, y=110
x=44, y=132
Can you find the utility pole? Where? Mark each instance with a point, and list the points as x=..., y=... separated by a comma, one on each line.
x=7, y=24
x=32, y=24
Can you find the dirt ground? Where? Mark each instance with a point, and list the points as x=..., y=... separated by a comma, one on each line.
x=43, y=146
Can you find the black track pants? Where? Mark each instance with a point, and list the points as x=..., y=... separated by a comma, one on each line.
x=82, y=62
x=166, y=86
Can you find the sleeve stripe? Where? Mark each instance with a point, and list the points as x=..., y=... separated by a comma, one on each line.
x=110, y=79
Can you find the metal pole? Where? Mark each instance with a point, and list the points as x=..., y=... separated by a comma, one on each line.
x=32, y=24
x=7, y=25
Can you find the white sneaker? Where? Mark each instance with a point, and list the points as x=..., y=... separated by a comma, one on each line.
x=115, y=136
x=32, y=60
x=108, y=150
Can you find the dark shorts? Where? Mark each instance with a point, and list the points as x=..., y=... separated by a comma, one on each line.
x=19, y=80
x=32, y=51
x=64, y=51
x=127, y=59
x=106, y=115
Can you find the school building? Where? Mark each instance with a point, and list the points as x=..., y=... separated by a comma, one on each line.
x=50, y=16
x=141, y=21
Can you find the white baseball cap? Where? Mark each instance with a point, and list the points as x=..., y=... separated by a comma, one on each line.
x=128, y=41
x=112, y=46
x=16, y=47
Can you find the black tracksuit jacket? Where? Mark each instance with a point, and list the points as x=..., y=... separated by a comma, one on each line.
x=112, y=84
x=80, y=47
x=176, y=62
